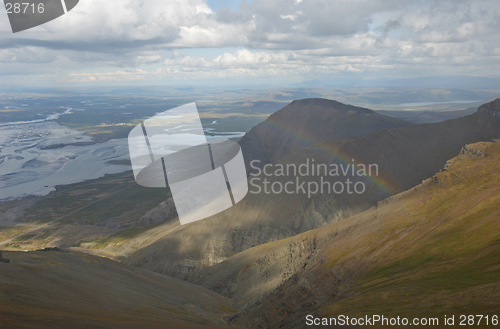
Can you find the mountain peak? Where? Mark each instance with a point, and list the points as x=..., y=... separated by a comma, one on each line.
x=491, y=108
x=325, y=104
x=310, y=121
x=316, y=101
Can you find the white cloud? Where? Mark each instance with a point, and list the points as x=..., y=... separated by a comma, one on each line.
x=110, y=76
x=290, y=17
x=282, y=37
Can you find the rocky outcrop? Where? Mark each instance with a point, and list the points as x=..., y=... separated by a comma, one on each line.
x=52, y=249
x=360, y=259
x=472, y=151
x=491, y=108
x=250, y=276
x=164, y=212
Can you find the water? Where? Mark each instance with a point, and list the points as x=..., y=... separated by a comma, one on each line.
x=51, y=117
x=29, y=167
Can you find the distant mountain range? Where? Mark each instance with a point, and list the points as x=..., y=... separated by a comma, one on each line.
x=420, y=117
x=451, y=82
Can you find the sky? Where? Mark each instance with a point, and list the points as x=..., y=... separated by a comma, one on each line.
x=280, y=42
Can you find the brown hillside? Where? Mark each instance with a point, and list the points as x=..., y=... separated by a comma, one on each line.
x=51, y=289
x=405, y=157
x=427, y=252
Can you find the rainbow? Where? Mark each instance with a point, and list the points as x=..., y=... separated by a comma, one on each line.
x=336, y=154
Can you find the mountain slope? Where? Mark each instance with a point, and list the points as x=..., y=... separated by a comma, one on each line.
x=405, y=156
x=52, y=289
x=310, y=121
x=427, y=252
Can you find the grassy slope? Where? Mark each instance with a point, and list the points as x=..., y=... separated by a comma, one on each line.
x=72, y=290
x=79, y=208
x=431, y=251
x=405, y=157
x=435, y=252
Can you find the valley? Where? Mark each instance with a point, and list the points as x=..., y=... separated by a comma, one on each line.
x=249, y=164
x=423, y=234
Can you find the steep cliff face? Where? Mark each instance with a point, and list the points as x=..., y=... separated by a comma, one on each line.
x=307, y=122
x=491, y=109
x=428, y=251
x=164, y=212
x=250, y=276
x=405, y=157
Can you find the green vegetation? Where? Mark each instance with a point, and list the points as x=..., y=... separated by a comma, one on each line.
x=113, y=202
x=123, y=235
x=95, y=200
x=115, y=199
x=7, y=232
x=437, y=254
x=229, y=309
x=130, y=200
x=25, y=237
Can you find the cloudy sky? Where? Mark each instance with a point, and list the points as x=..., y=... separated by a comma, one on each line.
x=283, y=42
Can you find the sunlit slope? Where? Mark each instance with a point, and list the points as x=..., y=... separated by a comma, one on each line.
x=429, y=251
x=51, y=289
x=436, y=251
x=405, y=157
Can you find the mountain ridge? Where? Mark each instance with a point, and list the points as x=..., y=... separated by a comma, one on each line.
x=310, y=121
x=492, y=108
x=405, y=156
x=426, y=242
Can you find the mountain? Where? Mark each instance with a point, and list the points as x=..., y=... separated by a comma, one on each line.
x=492, y=108
x=420, y=117
x=279, y=255
x=404, y=156
x=310, y=121
x=427, y=252
x=54, y=289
